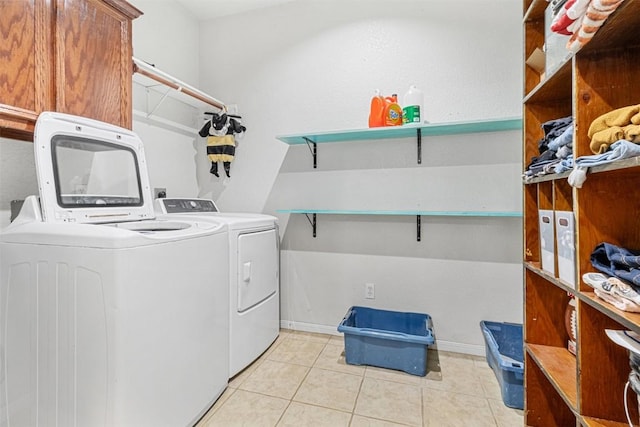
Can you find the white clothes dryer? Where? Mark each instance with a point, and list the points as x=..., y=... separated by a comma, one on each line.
x=254, y=275
x=108, y=316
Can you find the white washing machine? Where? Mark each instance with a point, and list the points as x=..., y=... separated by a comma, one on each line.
x=254, y=269
x=108, y=316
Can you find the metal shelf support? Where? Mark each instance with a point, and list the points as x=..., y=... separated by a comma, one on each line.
x=418, y=226
x=312, y=222
x=419, y=136
x=313, y=147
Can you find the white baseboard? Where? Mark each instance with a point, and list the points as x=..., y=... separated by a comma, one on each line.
x=454, y=347
x=309, y=327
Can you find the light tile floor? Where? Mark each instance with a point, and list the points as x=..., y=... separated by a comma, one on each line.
x=303, y=380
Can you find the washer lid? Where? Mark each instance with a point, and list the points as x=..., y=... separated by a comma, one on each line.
x=89, y=171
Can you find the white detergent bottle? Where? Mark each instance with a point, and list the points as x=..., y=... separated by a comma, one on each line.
x=413, y=106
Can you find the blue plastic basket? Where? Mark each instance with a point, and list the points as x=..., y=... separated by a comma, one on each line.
x=387, y=339
x=505, y=355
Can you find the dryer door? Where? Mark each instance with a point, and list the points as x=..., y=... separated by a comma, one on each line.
x=257, y=268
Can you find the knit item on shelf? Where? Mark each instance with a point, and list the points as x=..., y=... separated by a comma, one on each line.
x=565, y=164
x=553, y=129
x=618, y=117
x=617, y=261
x=562, y=140
x=597, y=12
x=572, y=10
x=558, y=135
x=621, y=123
x=619, y=150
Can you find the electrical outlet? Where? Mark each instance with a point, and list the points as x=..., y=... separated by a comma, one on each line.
x=159, y=193
x=369, y=291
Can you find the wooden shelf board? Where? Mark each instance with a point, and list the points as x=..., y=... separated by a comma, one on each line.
x=388, y=132
x=632, y=162
x=620, y=164
x=629, y=320
x=555, y=87
x=536, y=10
x=537, y=268
x=548, y=177
x=559, y=366
x=595, y=422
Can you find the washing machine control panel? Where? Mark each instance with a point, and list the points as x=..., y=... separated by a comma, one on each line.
x=188, y=205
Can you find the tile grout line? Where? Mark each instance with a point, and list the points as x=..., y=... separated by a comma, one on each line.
x=299, y=385
x=422, y=405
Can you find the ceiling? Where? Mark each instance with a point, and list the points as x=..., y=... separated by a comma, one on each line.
x=209, y=9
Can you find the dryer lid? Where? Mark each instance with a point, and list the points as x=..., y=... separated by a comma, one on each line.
x=89, y=171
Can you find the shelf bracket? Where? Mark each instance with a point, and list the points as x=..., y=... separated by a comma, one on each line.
x=313, y=147
x=149, y=114
x=419, y=136
x=418, y=227
x=312, y=222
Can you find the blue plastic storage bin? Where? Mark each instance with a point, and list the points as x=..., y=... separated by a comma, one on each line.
x=505, y=355
x=387, y=339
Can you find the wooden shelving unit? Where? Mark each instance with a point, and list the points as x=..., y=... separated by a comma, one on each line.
x=586, y=389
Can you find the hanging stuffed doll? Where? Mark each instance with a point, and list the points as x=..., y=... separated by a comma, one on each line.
x=221, y=132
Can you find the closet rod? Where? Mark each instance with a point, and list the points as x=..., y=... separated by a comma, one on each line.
x=153, y=73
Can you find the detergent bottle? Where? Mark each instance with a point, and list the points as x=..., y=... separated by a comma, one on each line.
x=392, y=111
x=412, y=111
x=376, y=114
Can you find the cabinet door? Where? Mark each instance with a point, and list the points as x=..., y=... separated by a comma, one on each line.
x=93, y=59
x=26, y=71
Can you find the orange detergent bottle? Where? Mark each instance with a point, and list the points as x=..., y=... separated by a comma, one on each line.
x=376, y=114
x=392, y=111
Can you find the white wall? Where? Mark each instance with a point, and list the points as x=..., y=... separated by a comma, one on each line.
x=17, y=175
x=313, y=65
x=167, y=35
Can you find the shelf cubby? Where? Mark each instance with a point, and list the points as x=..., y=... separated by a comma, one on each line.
x=603, y=366
x=544, y=405
x=606, y=212
x=545, y=310
x=607, y=80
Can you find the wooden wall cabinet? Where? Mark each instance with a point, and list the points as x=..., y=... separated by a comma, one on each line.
x=586, y=389
x=71, y=56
